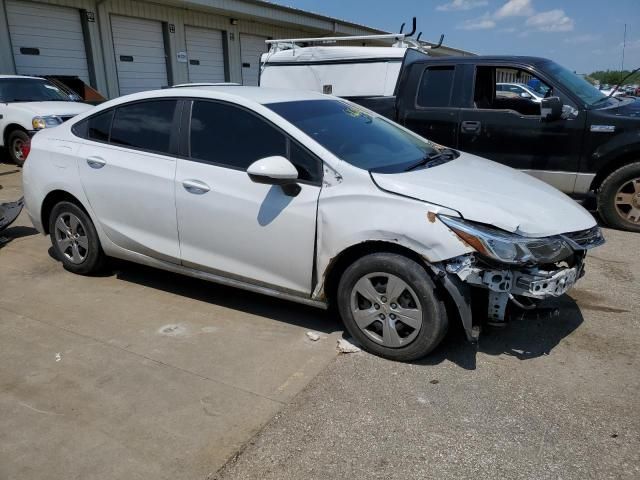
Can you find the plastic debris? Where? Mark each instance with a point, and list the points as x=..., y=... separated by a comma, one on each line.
x=345, y=346
x=313, y=336
x=58, y=357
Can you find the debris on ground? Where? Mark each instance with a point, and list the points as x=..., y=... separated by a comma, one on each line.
x=58, y=357
x=313, y=336
x=345, y=346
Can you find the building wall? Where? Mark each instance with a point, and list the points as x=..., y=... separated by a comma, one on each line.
x=210, y=14
x=251, y=17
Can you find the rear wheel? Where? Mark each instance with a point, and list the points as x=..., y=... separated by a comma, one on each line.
x=389, y=304
x=74, y=239
x=619, y=198
x=15, y=141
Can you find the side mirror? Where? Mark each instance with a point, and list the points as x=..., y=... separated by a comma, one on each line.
x=550, y=109
x=274, y=170
x=525, y=95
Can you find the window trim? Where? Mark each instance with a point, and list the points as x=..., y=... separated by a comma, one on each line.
x=173, y=140
x=444, y=66
x=185, y=138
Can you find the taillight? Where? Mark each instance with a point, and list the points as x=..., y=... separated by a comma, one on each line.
x=25, y=149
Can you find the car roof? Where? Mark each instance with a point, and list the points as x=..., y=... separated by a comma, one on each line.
x=260, y=95
x=486, y=58
x=21, y=76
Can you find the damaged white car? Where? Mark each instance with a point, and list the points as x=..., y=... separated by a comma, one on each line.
x=308, y=198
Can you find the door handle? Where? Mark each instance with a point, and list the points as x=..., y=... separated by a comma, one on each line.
x=470, y=126
x=96, y=162
x=196, y=187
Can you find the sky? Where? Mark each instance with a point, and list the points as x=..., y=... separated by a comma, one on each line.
x=583, y=35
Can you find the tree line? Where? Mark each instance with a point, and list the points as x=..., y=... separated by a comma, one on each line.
x=613, y=77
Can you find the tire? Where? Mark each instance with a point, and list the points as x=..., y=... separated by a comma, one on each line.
x=75, y=240
x=360, y=302
x=14, y=141
x=619, y=198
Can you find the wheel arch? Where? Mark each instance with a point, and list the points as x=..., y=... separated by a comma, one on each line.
x=54, y=197
x=349, y=255
x=10, y=128
x=614, y=164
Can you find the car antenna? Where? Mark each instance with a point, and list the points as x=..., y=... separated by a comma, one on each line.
x=621, y=82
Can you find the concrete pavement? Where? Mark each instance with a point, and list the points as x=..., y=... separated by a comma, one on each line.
x=549, y=397
x=137, y=373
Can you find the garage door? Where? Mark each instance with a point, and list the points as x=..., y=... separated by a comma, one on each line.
x=206, y=54
x=47, y=39
x=140, y=56
x=251, y=49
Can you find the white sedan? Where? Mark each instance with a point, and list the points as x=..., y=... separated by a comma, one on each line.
x=309, y=198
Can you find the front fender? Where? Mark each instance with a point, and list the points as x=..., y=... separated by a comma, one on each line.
x=346, y=219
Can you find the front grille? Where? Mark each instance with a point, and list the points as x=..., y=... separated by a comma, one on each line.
x=585, y=239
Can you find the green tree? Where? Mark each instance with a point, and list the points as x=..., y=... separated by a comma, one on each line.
x=613, y=77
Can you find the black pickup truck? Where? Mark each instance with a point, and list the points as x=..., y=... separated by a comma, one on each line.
x=568, y=134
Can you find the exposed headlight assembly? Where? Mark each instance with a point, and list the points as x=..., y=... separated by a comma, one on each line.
x=507, y=247
x=39, y=123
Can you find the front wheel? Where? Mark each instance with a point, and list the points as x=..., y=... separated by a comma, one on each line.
x=390, y=306
x=16, y=140
x=74, y=239
x=619, y=198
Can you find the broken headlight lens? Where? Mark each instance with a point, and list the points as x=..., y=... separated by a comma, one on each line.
x=508, y=247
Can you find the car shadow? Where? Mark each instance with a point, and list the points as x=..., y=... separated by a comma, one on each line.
x=234, y=298
x=13, y=233
x=528, y=335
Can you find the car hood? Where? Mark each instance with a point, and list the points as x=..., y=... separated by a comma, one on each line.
x=628, y=108
x=53, y=108
x=487, y=192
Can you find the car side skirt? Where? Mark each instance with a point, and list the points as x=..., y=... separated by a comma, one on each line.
x=219, y=278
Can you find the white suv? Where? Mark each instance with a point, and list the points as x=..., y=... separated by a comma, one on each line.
x=309, y=198
x=29, y=104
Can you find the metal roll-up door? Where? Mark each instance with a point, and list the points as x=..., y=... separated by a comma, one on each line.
x=251, y=49
x=141, y=61
x=47, y=39
x=205, y=52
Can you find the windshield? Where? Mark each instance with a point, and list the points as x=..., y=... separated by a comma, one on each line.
x=355, y=135
x=578, y=85
x=30, y=90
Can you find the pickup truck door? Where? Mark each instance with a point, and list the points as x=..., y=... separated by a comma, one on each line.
x=494, y=130
x=427, y=105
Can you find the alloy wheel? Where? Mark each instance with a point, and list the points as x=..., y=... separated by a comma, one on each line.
x=628, y=201
x=17, y=149
x=71, y=237
x=386, y=309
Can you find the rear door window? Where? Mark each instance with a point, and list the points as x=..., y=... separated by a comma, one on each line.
x=144, y=125
x=436, y=86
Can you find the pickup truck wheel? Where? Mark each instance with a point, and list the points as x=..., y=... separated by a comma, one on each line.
x=389, y=305
x=15, y=141
x=74, y=239
x=619, y=198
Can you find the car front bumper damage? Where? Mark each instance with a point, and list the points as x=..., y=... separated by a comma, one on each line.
x=523, y=286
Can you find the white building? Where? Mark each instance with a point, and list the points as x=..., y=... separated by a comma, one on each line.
x=121, y=46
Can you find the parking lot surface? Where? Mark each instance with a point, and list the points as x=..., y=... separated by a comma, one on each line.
x=552, y=396
x=137, y=373
x=143, y=374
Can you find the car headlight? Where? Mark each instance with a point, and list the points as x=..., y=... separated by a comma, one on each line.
x=39, y=123
x=508, y=247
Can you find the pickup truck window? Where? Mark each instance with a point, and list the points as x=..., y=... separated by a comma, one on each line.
x=436, y=85
x=589, y=94
x=356, y=135
x=490, y=93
